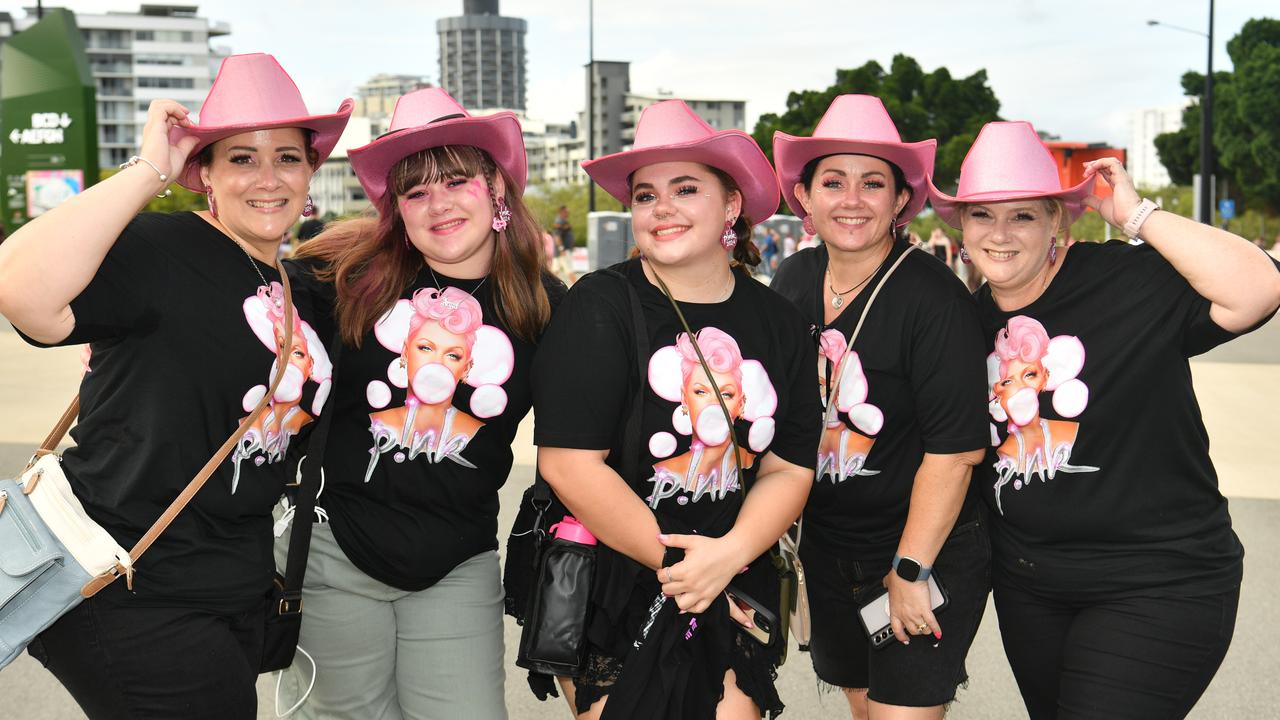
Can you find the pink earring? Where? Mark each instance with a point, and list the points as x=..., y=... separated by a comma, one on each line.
x=1053, y=251
x=208, y=196
x=502, y=218
x=808, y=225
x=964, y=256
x=309, y=208
x=729, y=238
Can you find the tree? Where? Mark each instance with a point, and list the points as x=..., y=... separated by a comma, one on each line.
x=544, y=202
x=922, y=105
x=1246, y=111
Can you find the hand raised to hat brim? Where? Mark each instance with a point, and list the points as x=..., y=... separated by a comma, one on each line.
x=162, y=116
x=1124, y=196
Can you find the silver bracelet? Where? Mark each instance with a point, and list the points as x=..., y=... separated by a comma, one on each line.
x=163, y=178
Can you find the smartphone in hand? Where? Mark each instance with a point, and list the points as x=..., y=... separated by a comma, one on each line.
x=875, y=614
x=764, y=623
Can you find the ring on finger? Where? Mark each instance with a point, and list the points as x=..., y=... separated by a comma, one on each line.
x=922, y=628
x=668, y=574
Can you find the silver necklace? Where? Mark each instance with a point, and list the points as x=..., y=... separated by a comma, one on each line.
x=471, y=292
x=837, y=300
x=253, y=263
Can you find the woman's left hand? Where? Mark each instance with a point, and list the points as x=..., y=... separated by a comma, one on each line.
x=1124, y=196
x=708, y=566
x=910, y=609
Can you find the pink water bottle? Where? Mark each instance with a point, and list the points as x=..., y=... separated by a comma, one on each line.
x=573, y=531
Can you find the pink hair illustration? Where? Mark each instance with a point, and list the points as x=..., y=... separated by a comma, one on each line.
x=265, y=312
x=671, y=369
x=1025, y=340
x=492, y=358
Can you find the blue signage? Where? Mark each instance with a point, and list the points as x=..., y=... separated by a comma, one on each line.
x=1227, y=208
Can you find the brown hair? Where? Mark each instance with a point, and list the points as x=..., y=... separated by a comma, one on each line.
x=370, y=261
x=745, y=252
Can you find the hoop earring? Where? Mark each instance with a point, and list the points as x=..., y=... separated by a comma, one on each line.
x=213, y=207
x=1053, y=251
x=964, y=256
x=308, y=208
x=502, y=217
x=729, y=238
x=808, y=226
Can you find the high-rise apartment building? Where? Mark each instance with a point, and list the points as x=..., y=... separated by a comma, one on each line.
x=482, y=57
x=376, y=98
x=160, y=51
x=1144, y=161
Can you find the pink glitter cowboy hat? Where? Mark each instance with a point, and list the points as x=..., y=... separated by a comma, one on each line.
x=858, y=125
x=252, y=92
x=430, y=118
x=1008, y=161
x=670, y=132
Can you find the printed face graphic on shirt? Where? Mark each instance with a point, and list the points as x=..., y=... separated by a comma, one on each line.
x=267, y=439
x=1024, y=364
x=850, y=422
x=439, y=340
x=707, y=469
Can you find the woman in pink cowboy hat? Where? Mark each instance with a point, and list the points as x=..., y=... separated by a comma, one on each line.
x=440, y=298
x=647, y=465
x=904, y=428
x=169, y=303
x=1116, y=573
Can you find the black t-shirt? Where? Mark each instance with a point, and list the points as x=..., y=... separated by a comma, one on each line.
x=427, y=408
x=585, y=383
x=1099, y=477
x=907, y=389
x=183, y=344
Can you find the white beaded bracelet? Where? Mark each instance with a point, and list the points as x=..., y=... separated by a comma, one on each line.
x=1139, y=216
x=163, y=178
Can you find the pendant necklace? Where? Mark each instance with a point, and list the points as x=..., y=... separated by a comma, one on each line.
x=837, y=299
x=451, y=305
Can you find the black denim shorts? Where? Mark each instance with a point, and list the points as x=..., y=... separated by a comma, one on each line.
x=925, y=673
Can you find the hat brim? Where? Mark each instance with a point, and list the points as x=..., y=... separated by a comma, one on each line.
x=731, y=151
x=499, y=135
x=792, y=153
x=1073, y=198
x=326, y=128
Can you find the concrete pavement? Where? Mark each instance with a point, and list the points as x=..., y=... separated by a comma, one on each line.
x=1239, y=390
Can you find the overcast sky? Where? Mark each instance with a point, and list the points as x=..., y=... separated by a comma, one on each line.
x=1076, y=69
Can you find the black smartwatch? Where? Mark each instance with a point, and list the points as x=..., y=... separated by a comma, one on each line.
x=910, y=569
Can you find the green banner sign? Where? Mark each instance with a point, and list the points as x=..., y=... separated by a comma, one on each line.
x=48, y=118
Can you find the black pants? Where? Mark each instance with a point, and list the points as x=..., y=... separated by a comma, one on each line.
x=122, y=661
x=1146, y=658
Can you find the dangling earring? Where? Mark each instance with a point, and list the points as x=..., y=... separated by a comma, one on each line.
x=807, y=223
x=503, y=217
x=213, y=207
x=308, y=208
x=729, y=238
x=407, y=246
x=964, y=256
x=401, y=361
x=1053, y=251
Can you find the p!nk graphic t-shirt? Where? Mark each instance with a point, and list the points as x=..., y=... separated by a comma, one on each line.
x=759, y=356
x=427, y=408
x=1098, y=474
x=183, y=338
x=905, y=389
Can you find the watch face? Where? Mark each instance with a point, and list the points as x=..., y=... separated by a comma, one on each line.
x=908, y=569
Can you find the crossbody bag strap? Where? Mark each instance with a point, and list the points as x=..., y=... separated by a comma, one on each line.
x=92, y=587
x=60, y=428
x=311, y=466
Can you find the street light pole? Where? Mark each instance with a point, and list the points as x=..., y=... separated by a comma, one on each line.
x=1206, y=135
x=1204, y=203
x=591, y=99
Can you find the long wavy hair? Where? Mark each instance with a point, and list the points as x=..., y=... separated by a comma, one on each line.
x=371, y=263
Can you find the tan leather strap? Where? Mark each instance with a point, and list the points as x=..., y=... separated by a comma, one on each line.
x=55, y=435
x=101, y=581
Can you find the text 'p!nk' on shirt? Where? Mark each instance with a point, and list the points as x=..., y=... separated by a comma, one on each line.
x=427, y=408
x=183, y=338
x=759, y=355
x=906, y=389
x=1098, y=476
